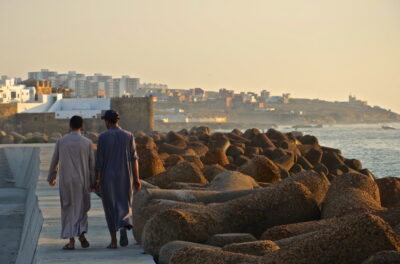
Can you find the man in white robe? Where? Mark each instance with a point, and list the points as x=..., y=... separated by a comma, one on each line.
x=73, y=160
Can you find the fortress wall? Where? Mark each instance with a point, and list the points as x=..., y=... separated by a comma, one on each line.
x=7, y=110
x=136, y=113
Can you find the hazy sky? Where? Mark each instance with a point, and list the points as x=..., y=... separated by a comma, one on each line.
x=309, y=48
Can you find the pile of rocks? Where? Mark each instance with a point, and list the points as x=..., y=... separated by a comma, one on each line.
x=36, y=137
x=13, y=137
x=258, y=197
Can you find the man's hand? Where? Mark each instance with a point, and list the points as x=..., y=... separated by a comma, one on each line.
x=53, y=183
x=96, y=187
x=138, y=185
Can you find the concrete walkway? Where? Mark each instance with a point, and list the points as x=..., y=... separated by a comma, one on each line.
x=49, y=246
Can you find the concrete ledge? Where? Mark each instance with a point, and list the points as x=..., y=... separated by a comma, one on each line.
x=19, y=212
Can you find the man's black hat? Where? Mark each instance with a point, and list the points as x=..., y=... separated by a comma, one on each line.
x=110, y=115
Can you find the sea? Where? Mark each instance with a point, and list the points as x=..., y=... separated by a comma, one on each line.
x=378, y=149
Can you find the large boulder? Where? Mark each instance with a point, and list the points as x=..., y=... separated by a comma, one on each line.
x=174, y=137
x=316, y=183
x=232, y=180
x=182, y=172
x=251, y=133
x=215, y=156
x=170, y=248
x=219, y=141
x=389, y=188
x=391, y=216
x=351, y=193
x=332, y=160
x=255, y=248
x=201, y=255
x=171, y=149
x=350, y=242
x=309, y=140
x=172, y=160
x=384, y=257
x=283, y=203
x=149, y=202
x=150, y=163
x=235, y=151
x=220, y=240
x=261, y=169
x=314, y=155
x=276, y=135
x=195, y=160
x=198, y=147
x=262, y=141
x=210, y=171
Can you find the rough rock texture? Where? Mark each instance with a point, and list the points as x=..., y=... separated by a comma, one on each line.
x=198, y=147
x=351, y=193
x=150, y=163
x=261, y=169
x=197, y=255
x=241, y=159
x=170, y=248
x=251, y=132
x=232, y=180
x=255, y=248
x=316, y=183
x=173, y=159
x=309, y=140
x=384, y=257
x=220, y=240
x=235, y=151
x=147, y=203
x=219, y=141
x=183, y=172
x=350, y=242
x=171, y=149
x=283, y=203
x=216, y=156
x=261, y=140
x=211, y=171
x=391, y=216
x=389, y=189
x=195, y=160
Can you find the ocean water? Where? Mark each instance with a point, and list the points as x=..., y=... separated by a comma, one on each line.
x=376, y=148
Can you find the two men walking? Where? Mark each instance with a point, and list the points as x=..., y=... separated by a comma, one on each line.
x=114, y=174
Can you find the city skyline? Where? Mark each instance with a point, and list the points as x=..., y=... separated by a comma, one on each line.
x=323, y=50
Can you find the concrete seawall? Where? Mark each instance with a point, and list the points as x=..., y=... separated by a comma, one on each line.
x=19, y=211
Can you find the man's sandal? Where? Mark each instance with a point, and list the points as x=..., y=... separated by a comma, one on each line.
x=84, y=242
x=68, y=247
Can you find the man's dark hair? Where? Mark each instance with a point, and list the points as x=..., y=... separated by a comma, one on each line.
x=113, y=120
x=76, y=122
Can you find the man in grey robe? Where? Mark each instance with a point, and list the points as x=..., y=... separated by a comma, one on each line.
x=117, y=172
x=73, y=160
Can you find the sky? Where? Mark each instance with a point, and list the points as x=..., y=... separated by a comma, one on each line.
x=323, y=49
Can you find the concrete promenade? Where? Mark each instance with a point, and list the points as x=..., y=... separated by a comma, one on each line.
x=50, y=244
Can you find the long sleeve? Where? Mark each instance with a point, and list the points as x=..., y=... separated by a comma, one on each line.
x=54, y=164
x=99, y=154
x=92, y=166
x=133, y=152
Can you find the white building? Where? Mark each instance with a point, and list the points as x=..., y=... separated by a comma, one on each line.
x=84, y=107
x=128, y=85
x=45, y=102
x=43, y=75
x=16, y=93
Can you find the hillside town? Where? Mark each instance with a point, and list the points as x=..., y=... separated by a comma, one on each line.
x=87, y=95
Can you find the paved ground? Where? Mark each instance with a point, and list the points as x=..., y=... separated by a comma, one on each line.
x=49, y=247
